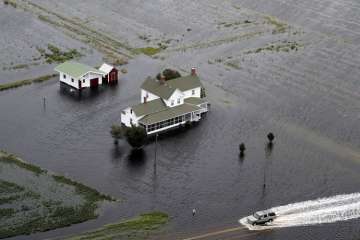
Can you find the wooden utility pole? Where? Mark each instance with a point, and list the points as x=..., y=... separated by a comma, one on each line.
x=156, y=138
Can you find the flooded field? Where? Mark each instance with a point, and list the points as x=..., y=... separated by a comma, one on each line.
x=287, y=67
x=34, y=200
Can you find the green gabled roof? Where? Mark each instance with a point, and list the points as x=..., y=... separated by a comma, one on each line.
x=185, y=83
x=166, y=90
x=154, y=86
x=153, y=106
x=195, y=100
x=168, y=114
x=76, y=69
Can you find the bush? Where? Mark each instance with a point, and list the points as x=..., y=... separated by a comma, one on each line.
x=271, y=137
x=135, y=136
x=10, y=2
x=242, y=147
x=169, y=74
x=116, y=132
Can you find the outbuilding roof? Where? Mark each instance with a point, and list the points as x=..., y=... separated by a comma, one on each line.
x=168, y=114
x=106, y=68
x=166, y=89
x=76, y=69
x=153, y=106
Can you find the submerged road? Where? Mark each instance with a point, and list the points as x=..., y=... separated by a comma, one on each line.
x=227, y=234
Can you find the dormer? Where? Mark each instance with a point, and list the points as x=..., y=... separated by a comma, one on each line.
x=177, y=98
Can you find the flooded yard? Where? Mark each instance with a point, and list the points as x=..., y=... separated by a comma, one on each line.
x=286, y=67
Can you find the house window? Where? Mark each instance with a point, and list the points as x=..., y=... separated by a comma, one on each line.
x=193, y=92
x=83, y=80
x=172, y=102
x=64, y=76
x=178, y=101
x=72, y=80
x=130, y=111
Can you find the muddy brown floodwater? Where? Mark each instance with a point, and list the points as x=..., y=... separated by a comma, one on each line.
x=283, y=66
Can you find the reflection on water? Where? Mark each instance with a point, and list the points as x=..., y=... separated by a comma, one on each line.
x=116, y=153
x=136, y=158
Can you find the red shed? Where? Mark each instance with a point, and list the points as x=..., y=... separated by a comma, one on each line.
x=111, y=72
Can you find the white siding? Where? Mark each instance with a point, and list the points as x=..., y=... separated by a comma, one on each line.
x=85, y=80
x=189, y=93
x=177, y=95
x=128, y=117
x=65, y=78
x=147, y=94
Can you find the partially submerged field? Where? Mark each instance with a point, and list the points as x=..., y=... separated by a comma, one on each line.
x=290, y=67
x=138, y=228
x=32, y=199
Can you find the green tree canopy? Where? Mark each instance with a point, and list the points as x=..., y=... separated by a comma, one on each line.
x=169, y=74
x=136, y=136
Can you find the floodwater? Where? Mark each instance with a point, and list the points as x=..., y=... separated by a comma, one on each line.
x=309, y=98
x=199, y=168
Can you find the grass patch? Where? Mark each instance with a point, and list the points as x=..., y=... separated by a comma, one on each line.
x=150, y=51
x=90, y=194
x=15, y=84
x=281, y=47
x=234, y=24
x=233, y=65
x=11, y=159
x=219, y=42
x=7, y=200
x=280, y=27
x=20, y=66
x=11, y=3
x=6, y=212
x=133, y=229
x=53, y=54
x=9, y=187
x=19, y=83
x=43, y=78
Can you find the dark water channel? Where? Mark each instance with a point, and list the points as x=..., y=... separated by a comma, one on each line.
x=316, y=154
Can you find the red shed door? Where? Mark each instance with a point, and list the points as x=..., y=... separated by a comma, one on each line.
x=113, y=75
x=94, y=83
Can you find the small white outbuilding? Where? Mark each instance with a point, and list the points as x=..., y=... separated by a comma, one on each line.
x=79, y=76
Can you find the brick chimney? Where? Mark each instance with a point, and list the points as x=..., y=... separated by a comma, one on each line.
x=193, y=71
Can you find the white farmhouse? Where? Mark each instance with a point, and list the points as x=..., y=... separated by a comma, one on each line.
x=79, y=76
x=167, y=104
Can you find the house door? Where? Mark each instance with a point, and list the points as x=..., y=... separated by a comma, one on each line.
x=79, y=84
x=105, y=79
x=94, y=83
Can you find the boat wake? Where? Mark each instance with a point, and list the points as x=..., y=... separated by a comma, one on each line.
x=324, y=210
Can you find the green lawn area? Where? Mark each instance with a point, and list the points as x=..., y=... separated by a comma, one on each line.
x=134, y=229
x=19, y=83
x=34, y=200
x=148, y=50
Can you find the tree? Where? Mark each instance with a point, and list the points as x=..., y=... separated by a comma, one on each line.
x=169, y=74
x=117, y=133
x=271, y=137
x=135, y=136
x=242, y=149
